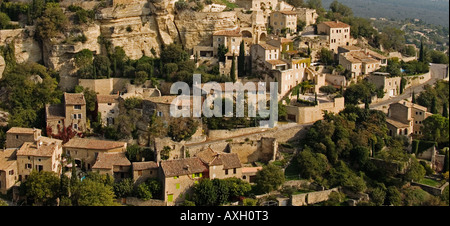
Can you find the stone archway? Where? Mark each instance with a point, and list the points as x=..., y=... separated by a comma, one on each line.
x=246, y=34
x=262, y=37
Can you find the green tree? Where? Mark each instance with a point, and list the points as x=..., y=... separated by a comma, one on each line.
x=378, y=195
x=173, y=53
x=326, y=56
x=312, y=165
x=94, y=193
x=393, y=196
x=233, y=70
x=435, y=128
x=241, y=60
x=205, y=193
x=83, y=58
x=415, y=172
x=221, y=51
x=4, y=20
x=124, y=188
x=445, y=110
x=182, y=128
x=52, y=22
x=434, y=106
x=41, y=188
x=421, y=52
x=269, y=178
x=343, y=176
x=140, y=77
x=327, y=89
x=102, y=66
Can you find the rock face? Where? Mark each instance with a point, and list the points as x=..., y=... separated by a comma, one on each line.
x=139, y=26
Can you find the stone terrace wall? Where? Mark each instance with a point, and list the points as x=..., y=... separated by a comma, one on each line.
x=312, y=197
x=133, y=201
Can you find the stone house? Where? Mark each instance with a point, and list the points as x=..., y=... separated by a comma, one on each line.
x=16, y=136
x=72, y=112
x=27, y=150
x=42, y=155
x=108, y=108
x=144, y=170
x=283, y=20
x=405, y=118
x=85, y=151
x=285, y=45
x=8, y=169
x=338, y=34
x=266, y=57
x=257, y=5
x=390, y=85
x=307, y=15
x=114, y=164
x=221, y=165
x=249, y=173
x=159, y=105
x=178, y=176
x=359, y=61
x=310, y=114
x=231, y=39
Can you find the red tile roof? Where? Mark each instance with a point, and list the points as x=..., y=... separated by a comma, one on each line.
x=179, y=167
x=336, y=24
x=109, y=160
x=85, y=143
x=74, y=99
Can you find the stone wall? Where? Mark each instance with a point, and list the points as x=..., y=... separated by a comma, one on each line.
x=312, y=197
x=430, y=189
x=223, y=134
x=133, y=201
x=105, y=86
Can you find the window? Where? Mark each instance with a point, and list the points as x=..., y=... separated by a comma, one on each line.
x=74, y=116
x=17, y=136
x=75, y=126
x=11, y=172
x=28, y=166
x=234, y=171
x=175, y=177
x=109, y=104
x=177, y=186
x=79, y=116
x=77, y=107
x=218, y=39
x=170, y=198
x=226, y=172
x=139, y=172
x=160, y=114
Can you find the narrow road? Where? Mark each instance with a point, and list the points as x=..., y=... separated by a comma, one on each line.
x=438, y=72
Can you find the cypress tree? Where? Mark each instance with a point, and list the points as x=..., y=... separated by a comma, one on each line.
x=445, y=110
x=434, y=109
x=241, y=60
x=233, y=70
x=421, y=53
x=413, y=98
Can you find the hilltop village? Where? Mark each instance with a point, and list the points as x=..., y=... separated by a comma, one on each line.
x=85, y=106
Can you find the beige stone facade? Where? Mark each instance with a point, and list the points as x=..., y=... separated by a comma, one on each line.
x=405, y=118
x=108, y=108
x=360, y=61
x=311, y=114
x=280, y=20
x=42, y=155
x=257, y=5
x=338, y=33
x=307, y=15
x=144, y=170
x=16, y=136
x=85, y=151
x=390, y=85
x=8, y=169
x=114, y=164
x=231, y=39
x=71, y=113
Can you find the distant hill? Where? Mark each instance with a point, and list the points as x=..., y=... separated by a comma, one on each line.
x=431, y=11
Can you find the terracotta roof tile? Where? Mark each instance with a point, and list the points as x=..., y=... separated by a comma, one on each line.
x=180, y=167
x=336, y=24
x=109, y=160
x=107, y=98
x=275, y=62
x=230, y=33
x=21, y=130
x=85, y=143
x=286, y=12
x=144, y=165
x=7, y=158
x=212, y=158
x=74, y=99
x=35, y=149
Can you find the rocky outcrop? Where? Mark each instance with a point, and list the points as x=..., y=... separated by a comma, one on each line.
x=25, y=46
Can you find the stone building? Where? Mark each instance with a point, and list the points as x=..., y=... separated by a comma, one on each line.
x=230, y=39
x=144, y=170
x=27, y=150
x=42, y=155
x=178, y=176
x=72, y=112
x=16, y=136
x=114, y=164
x=85, y=151
x=360, y=61
x=257, y=5
x=266, y=57
x=310, y=114
x=108, y=108
x=8, y=169
x=390, y=85
x=405, y=118
x=338, y=34
x=283, y=20
x=221, y=165
x=307, y=15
